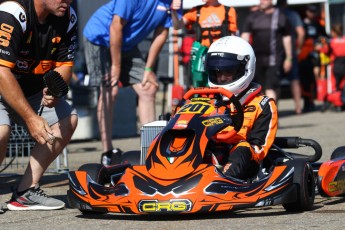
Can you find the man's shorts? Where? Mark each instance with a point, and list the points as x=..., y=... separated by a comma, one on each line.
x=268, y=77
x=98, y=63
x=51, y=115
x=294, y=72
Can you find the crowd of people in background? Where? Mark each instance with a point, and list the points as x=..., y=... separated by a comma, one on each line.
x=291, y=45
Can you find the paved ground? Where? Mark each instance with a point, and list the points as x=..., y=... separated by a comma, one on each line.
x=326, y=128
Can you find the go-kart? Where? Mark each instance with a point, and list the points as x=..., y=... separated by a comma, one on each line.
x=180, y=174
x=331, y=174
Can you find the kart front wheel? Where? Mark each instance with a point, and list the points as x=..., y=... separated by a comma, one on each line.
x=305, y=187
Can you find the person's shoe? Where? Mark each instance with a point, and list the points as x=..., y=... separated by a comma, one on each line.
x=111, y=157
x=326, y=105
x=33, y=199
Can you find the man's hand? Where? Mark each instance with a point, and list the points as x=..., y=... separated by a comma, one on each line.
x=48, y=100
x=287, y=65
x=149, y=77
x=176, y=4
x=40, y=130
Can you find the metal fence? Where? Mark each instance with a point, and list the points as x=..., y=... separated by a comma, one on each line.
x=19, y=148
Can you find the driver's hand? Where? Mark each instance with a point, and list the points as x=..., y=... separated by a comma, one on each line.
x=226, y=167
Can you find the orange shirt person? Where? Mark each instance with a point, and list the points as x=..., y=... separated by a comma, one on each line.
x=209, y=21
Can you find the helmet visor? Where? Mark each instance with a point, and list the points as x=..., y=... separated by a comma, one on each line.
x=233, y=64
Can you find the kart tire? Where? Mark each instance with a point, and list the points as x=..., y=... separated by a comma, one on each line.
x=305, y=187
x=338, y=152
x=132, y=157
x=98, y=174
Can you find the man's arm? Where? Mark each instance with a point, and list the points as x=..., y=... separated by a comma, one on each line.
x=178, y=23
x=300, y=38
x=13, y=95
x=287, y=43
x=159, y=38
x=115, y=47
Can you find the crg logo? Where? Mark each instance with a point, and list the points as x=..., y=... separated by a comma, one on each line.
x=173, y=205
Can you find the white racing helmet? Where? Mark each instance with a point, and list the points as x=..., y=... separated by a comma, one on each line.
x=234, y=54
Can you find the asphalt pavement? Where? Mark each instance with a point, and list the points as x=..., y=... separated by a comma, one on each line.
x=326, y=128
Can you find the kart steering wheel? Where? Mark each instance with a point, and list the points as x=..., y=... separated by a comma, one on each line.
x=237, y=118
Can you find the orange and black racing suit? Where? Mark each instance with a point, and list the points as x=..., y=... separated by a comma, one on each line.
x=31, y=49
x=252, y=143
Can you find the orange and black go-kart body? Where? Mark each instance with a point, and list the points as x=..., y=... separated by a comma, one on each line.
x=175, y=178
x=331, y=174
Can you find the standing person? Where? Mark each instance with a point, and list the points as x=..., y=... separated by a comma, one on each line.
x=37, y=36
x=309, y=58
x=269, y=30
x=230, y=63
x=111, y=38
x=209, y=22
x=297, y=38
x=337, y=54
x=336, y=50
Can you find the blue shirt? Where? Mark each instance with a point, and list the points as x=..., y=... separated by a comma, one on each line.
x=142, y=16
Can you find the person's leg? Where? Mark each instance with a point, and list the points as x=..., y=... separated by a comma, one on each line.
x=132, y=70
x=240, y=164
x=296, y=93
x=63, y=121
x=5, y=130
x=105, y=110
x=98, y=64
x=295, y=86
x=43, y=155
x=272, y=82
x=4, y=135
x=146, y=102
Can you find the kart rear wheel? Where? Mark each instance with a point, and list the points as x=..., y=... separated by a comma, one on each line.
x=97, y=174
x=338, y=152
x=305, y=187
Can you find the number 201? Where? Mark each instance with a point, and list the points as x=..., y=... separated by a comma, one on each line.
x=194, y=108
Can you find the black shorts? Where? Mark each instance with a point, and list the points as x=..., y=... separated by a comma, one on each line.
x=268, y=77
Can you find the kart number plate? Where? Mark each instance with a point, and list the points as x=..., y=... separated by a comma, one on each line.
x=173, y=205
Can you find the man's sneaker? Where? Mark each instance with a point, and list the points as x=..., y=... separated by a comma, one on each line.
x=111, y=157
x=33, y=199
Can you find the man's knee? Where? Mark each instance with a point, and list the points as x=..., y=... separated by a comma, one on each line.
x=149, y=90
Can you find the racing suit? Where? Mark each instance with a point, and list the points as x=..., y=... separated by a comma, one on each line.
x=252, y=143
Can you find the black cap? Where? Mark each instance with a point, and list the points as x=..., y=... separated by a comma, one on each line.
x=312, y=8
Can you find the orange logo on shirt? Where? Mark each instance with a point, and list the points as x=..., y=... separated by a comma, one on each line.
x=5, y=34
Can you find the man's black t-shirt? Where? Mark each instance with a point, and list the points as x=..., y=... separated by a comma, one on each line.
x=267, y=32
x=31, y=49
